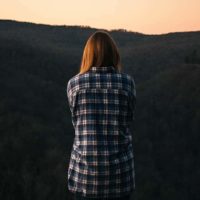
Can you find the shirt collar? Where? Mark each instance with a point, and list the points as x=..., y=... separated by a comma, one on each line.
x=103, y=69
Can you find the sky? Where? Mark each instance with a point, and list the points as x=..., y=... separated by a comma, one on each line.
x=144, y=16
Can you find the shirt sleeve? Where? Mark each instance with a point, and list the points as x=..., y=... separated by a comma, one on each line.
x=69, y=95
x=132, y=101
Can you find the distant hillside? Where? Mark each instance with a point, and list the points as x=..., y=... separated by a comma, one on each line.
x=167, y=134
x=36, y=133
x=142, y=55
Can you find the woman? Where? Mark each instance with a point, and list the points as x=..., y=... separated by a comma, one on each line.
x=102, y=101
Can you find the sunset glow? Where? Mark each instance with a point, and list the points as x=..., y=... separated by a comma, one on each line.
x=145, y=16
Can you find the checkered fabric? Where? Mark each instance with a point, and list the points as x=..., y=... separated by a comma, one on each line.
x=102, y=104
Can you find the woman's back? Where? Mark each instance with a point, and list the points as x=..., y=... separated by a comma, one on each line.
x=102, y=103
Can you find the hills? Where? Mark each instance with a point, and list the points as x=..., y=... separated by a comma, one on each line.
x=37, y=60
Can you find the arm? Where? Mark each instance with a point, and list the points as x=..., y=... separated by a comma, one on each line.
x=132, y=101
x=69, y=95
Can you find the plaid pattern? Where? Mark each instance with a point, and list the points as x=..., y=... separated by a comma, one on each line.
x=102, y=103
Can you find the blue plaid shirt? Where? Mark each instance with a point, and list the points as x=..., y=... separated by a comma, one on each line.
x=102, y=103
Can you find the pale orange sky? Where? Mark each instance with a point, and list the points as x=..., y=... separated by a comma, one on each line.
x=145, y=16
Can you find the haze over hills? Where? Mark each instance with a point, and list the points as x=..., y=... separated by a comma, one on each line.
x=36, y=133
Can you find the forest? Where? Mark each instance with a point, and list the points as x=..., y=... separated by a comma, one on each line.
x=36, y=132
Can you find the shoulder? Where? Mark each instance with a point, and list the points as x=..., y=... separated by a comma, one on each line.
x=72, y=81
x=75, y=82
x=69, y=85
x=129, y=78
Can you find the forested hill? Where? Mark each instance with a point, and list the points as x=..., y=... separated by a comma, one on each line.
x=142, y=55
x=36, y=133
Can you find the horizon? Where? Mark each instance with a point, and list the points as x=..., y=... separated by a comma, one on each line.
x=144, y=16
x=86, y=26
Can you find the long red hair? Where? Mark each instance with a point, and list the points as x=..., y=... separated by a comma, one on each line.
x=100, y=50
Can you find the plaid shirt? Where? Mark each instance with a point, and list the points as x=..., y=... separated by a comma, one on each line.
x=102, y=103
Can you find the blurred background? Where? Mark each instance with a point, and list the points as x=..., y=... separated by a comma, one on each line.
x=41, y=44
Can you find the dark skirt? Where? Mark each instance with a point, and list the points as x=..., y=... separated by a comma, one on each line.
x=79, y=197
